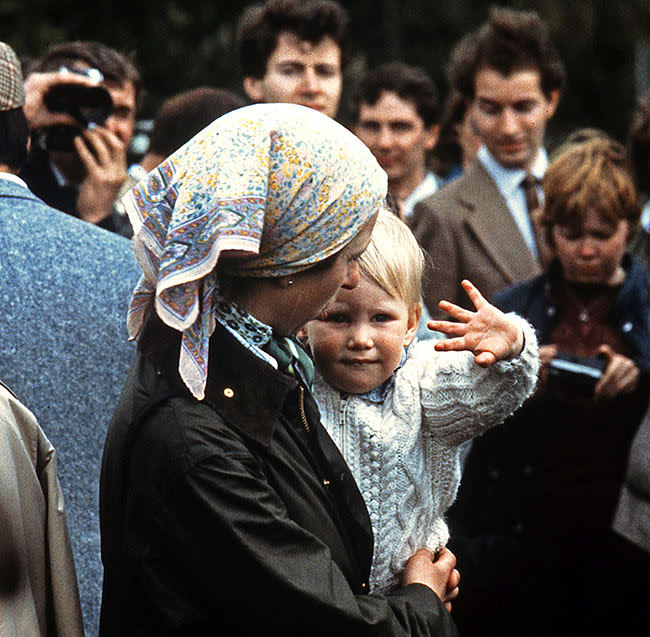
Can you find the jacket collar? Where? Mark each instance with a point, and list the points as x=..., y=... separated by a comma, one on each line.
x=493, y=226
x=11, y=188
x=245, y=390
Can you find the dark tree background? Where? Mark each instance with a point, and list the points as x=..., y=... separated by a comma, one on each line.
x=605, y=44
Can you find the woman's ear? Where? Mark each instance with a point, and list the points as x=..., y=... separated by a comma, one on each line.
x=284, y=281
x=301, y=335
x=412, y=325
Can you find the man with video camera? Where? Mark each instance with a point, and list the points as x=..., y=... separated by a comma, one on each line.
x=81, y=100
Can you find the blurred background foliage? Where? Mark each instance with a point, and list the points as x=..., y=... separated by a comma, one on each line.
x=177, y=45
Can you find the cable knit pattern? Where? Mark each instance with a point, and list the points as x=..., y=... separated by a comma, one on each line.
x=404, y=452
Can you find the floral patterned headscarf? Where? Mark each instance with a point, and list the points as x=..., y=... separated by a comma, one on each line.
x=281, y=186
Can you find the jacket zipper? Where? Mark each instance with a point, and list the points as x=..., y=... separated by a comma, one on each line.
x=302, y=409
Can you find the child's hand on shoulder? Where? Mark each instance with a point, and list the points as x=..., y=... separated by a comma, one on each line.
x=488, y=333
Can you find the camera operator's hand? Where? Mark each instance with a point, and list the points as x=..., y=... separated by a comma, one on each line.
x=36, y=85
x=104, y=156
x=621, y=375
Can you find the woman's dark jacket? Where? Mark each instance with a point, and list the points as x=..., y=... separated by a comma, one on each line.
x=230, y=516
x=538, y=493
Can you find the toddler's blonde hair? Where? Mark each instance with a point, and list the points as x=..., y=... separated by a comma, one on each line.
x=393, y=259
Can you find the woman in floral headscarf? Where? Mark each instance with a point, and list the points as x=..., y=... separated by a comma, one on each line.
x=225, y=507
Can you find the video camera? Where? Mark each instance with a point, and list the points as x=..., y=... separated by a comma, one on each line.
x=86, y=104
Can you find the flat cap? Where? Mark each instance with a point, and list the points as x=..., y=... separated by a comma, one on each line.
x=12, y=93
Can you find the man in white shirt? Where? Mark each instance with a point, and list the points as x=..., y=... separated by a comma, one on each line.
x=484, y=226
x=395, y=112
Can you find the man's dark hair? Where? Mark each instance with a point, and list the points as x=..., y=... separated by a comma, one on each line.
x=184, y=115
x=638, y=143
x=509, y=41
x=311, y=20
x=14, y=134
x=447, y=154
x=408, y=82
x=116, y=68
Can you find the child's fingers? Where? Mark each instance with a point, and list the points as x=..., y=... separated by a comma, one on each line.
x=448, y=327
x=485, y=359
x=474, y=295
x=451, y=345
x=455, y=311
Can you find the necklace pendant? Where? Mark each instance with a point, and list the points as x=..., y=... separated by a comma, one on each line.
x=583, y=316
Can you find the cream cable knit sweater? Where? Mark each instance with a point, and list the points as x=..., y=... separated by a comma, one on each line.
x=404, y=452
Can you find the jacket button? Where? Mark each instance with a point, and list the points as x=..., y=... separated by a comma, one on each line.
x=627, y=327
x=326, y=482
x=364, y=586
x=550, y=311
x=228, y=392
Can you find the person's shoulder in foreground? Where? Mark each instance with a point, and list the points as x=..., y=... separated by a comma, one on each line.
x=65, y=286
x=45, y=591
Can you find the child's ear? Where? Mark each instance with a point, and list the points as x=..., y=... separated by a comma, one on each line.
x=413, y=321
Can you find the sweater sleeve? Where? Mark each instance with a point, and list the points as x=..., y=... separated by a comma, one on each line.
x=460, y=399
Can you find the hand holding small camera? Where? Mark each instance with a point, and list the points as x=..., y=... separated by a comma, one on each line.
x=621, y=375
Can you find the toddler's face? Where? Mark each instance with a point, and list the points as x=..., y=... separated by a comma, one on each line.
x=358, y=342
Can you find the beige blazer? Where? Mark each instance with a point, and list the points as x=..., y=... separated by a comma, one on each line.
x=47, y=600
x=468, y=232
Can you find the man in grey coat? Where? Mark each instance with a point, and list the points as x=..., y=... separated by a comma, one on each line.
x=64, y=288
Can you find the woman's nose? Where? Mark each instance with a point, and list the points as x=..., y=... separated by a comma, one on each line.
x=587, y=248
x=351, y=276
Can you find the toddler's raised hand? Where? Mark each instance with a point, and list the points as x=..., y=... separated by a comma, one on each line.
x=488, y=333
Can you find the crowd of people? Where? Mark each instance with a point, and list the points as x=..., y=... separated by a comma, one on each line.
x=390, y=377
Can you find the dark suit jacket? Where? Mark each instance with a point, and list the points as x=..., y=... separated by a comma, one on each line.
x=469, y=233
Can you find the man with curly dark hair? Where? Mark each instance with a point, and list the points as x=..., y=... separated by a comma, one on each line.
x=294, y=51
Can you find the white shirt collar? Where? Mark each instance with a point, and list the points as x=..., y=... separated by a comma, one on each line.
x=645, y=216
x=509, y=179
x=424, y=189
x=13, y=178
